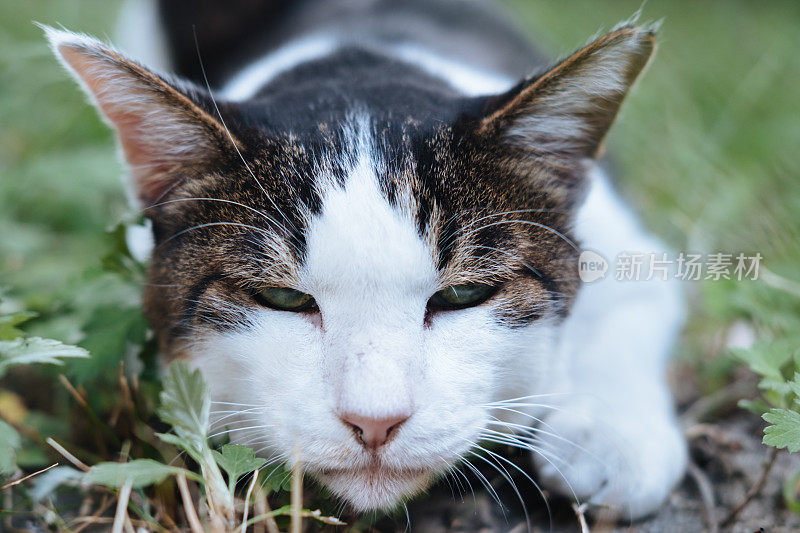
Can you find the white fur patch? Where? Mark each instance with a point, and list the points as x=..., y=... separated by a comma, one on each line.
x=616, y=341
x=461, y=76
x=248, y=81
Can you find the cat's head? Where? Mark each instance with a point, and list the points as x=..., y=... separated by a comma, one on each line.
x=357, y=290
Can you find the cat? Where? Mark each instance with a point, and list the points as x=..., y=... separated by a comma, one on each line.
x=366, y=222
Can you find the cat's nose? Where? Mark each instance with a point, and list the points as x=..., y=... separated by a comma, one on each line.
x=373, y=433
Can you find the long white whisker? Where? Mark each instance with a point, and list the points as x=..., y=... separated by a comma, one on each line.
x=513, y=256
x=485, y=482
x=531, y=396
x=533, y=430
x=546, y=455
x=260, y=213
x=504, y=473
x=231, y=430
x=210, y=224
x=233, y=141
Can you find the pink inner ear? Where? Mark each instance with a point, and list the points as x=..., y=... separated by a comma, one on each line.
x=148, y=169
x=156, y=135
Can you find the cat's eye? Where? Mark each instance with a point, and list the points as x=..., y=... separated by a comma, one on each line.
x=461, y=296
x=285, y=299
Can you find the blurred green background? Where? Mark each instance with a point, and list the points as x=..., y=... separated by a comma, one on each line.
x=708, y=150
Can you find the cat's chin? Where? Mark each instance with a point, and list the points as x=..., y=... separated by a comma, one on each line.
x=368, y=489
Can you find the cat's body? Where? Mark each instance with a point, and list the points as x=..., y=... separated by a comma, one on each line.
x=370, y=154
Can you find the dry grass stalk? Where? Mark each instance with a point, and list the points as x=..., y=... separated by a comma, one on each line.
x=297, y=498
x=71, y=458
x=73, y=391
x=22, y=479
x=754, y=490
x=188, y=506
x=580, y=512
x=121, y=513
x=247, y=500
x=706, y=494
x=263, y=508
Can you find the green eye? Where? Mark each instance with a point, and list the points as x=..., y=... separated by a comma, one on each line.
x=285, y=299
x=460, y=296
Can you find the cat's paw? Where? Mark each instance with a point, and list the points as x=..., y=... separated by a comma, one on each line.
x=620, y=463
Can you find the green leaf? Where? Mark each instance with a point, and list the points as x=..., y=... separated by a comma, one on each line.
x=237, y=461
x=140, y=473
x=35, y=350
x=277, y=478
x=185, y=403
x=47, y=483
x=109, y=332
x=10, y=441
x=181, y=443
x=766, y=359
x=758, y=407
x=118, y=257
x=778, y=386
x=8, y=323
x=794, y=385
x=784, y=431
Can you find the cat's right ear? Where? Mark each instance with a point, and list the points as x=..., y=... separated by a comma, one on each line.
x=165, y=127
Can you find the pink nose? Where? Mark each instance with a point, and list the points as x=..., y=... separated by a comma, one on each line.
x=373, y=433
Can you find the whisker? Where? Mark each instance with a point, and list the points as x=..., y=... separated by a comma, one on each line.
x=532, y=396
x=504, y=473
x=547, y=456
x=231, y=430
x=513, y=256
x=534, y=430
x=233, y=141
x=260, y=213
x=228, y=423
x=237, y=404
x=485, y=217
x=233, y=412
x=210, y=224
x=485, y=482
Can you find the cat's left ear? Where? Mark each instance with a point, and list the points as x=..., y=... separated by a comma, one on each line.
x=564, y=114
x=165, y=126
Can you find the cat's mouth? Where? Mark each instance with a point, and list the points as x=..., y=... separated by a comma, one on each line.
x=375, y=486
x=375, y=469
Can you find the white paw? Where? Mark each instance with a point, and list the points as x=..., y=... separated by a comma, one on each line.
x=628, y=464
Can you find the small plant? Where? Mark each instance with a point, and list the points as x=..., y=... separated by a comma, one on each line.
x=123, y=419
x=778, y=364
x=185, y=405
x=16, y=349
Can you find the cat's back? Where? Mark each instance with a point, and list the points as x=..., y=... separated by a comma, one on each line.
x=461, y=40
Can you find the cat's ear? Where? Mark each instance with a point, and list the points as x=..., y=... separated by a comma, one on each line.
x=164, y=125
x=565, y=112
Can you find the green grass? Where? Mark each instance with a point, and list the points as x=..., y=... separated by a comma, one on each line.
x=707, y=149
